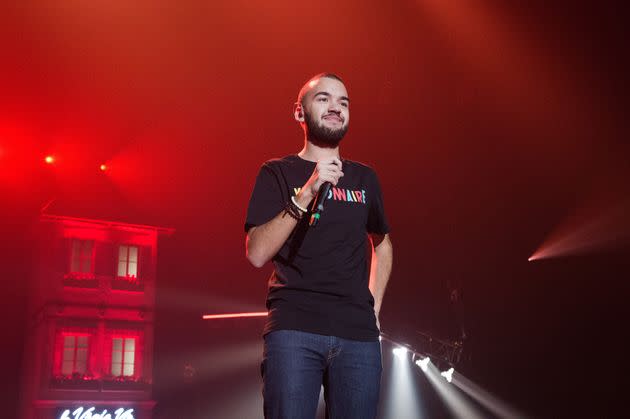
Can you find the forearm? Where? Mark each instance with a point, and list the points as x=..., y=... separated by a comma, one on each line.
x=380, y=270
x=264, y=241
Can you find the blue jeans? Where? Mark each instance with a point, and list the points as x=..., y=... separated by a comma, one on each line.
x=296, y=364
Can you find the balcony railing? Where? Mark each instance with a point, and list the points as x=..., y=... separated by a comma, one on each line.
x=127, y=283
x=106, y=383
x=90, y=280
x=80, y=280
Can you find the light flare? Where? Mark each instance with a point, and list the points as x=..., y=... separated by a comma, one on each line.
x=423, y=364
x=235, y=315
x=448, y=374
x=400, y=351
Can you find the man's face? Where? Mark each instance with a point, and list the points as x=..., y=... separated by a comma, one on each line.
x=326, y=111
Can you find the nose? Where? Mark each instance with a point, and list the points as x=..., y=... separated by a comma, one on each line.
x=334, y=107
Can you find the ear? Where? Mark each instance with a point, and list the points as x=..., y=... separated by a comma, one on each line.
x=298, y=112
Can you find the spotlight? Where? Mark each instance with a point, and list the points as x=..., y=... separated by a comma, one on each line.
x=103, y=167
x=400, y=351
x=423, y=363
x=49, y=159
x=448, y=374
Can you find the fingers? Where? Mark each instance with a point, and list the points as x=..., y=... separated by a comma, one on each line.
x=330, y=162
x=337, y=162
x=329, y=171
x=326, y=178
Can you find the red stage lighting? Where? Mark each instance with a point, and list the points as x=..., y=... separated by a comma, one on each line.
x=103, y=167
x=234, y=315
x=49, y=159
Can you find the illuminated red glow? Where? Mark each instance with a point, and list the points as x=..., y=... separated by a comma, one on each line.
x=235, y=315
x=598, y=223
x=49, y=159
x=97, y=230
x=103, y=167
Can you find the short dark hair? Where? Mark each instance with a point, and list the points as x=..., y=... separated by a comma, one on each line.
x=302, y=92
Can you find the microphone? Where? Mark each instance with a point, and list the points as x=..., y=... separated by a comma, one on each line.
x=318, y=203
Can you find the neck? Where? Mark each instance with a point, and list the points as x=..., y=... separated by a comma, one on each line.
x=314, y=153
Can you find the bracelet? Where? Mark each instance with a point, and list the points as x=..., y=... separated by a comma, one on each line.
x=292, y=211
x=298, y=205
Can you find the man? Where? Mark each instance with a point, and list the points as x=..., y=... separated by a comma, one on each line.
x=325, y=292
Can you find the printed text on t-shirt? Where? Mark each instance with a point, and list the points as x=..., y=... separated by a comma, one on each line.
x=340, y=194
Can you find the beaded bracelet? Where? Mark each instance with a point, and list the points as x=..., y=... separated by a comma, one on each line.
x=293, y=211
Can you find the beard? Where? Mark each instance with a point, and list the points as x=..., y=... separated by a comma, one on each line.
x=321, y=135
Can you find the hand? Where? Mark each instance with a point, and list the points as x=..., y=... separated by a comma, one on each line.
x=327, y=170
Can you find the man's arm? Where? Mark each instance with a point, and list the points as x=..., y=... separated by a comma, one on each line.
x=265, y=240
x=380, y=268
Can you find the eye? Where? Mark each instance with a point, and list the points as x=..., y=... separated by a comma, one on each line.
x=344, y=104
x=322, y=99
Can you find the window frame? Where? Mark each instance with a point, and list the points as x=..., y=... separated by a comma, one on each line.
x=123, y=351
x=127, y=262
x=76, y=348
x=82, y=258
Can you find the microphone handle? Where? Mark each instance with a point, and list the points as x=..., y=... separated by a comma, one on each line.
x=318, y=203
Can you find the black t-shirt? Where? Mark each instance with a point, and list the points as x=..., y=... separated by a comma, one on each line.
x=320, y=281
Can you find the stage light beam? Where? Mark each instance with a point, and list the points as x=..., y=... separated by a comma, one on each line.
x=498, y=407
x=49, y=159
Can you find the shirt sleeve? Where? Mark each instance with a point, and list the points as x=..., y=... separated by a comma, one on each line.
x=266, y=200
x=377, y=221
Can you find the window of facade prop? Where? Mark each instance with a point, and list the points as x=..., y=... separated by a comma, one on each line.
x=75, y=354
x=82, y=257
x=128, y=261
x=123, y=356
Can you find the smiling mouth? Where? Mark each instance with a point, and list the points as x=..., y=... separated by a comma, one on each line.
x=333, y=118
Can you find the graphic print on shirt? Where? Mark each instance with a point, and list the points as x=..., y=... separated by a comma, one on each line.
x=341, y=194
